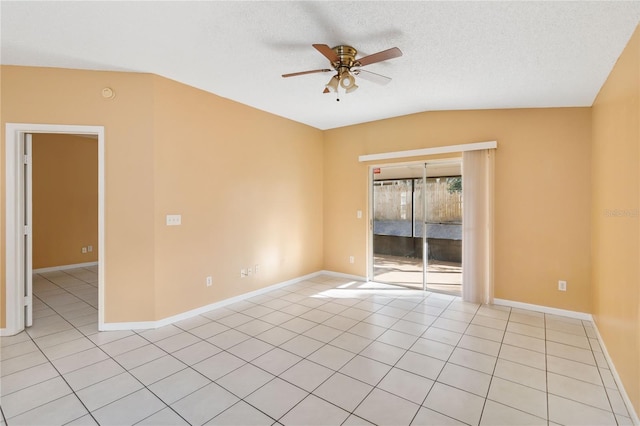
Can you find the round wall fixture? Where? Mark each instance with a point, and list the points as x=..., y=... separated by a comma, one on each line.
x=108, y=93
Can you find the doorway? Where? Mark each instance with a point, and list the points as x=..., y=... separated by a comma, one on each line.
x=65, y=232
x=19, y=226
x=416, y=232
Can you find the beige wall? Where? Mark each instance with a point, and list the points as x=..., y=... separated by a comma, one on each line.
x=65, y=199
x=542, y=198
x=249, y=188
x=248, y=184
x=615, y=219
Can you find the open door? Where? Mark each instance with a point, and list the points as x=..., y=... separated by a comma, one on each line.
x=27, y=225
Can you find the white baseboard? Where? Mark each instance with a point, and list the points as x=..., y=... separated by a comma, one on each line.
x=545, y=309
x=632, y=413
x=341, y=275
x=142, y=325
x=64, y=267
x=6, y=332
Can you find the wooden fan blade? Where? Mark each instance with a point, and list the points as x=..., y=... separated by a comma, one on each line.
x=327, y=52
x=294, y=74
x=372, y=76
x=394, y=52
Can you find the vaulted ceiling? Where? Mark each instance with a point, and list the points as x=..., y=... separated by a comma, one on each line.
x=456, y=55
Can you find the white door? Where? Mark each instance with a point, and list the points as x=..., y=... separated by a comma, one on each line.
x=27, y=263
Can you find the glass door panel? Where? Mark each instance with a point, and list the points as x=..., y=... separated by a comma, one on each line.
x=443, y=221
x=397, y=254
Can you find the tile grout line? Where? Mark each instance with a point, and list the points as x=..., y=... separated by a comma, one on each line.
x=275, y=376
x=2, y=416
x=144, y=386
x=50, y=361
x=141, y=334
x=351, y=413
x=306, y=358
x=444, y=309
x=374, y=387
x=59, y=374
x=566, y=397
x=226, y=351
x=615, y=415
x=54, y=309
x=493, y=372
x=435, y=380
x=334, y=371
x=546, y=368
x=486, y=398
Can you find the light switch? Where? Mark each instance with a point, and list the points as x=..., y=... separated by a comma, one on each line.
x=174, y=219
x=359, y=214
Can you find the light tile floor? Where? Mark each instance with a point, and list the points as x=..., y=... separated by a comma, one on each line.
x=407, y=271
x=325, y=351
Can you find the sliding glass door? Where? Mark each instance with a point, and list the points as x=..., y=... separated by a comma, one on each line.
x=417, y=226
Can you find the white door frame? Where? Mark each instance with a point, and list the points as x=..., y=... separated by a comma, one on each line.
x=14, y=202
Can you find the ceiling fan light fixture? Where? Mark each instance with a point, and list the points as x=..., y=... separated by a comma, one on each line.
x=347, y=80
x=351, y=89
x=333, y=83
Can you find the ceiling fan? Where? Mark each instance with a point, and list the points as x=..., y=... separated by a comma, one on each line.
x=343, y=61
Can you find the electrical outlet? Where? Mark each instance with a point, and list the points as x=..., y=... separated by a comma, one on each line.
x=89, y=249
x=562, y=285
x=209, y=281
x=174, y=219
x=243, y=273
x=248, y=272
x=84, y=250
x=352, y=259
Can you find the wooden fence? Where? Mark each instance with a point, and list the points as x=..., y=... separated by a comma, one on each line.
x=394, y=200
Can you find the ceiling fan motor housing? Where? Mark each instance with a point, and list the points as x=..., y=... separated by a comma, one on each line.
x=346, y=57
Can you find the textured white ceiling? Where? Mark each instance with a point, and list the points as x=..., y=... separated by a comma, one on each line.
x=457, y=55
